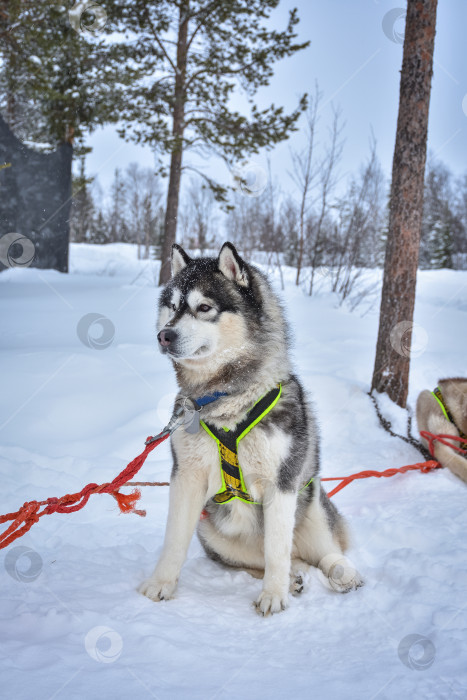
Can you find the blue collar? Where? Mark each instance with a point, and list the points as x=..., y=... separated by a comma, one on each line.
x=209, y=398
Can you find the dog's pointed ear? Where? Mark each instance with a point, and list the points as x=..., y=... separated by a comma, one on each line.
x=232, y=266
x=179, y=259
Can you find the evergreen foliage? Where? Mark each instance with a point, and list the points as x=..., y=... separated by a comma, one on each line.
x=192, y=55
x=443, y=233
x=59, y=79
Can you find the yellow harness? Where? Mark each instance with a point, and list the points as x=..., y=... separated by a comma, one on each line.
x=233, y=485
x=448, y=415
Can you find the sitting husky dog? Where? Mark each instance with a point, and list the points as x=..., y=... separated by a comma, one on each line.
x=444, y=411
x=253, y=464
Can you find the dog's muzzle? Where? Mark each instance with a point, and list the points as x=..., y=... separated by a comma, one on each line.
x=167, y=338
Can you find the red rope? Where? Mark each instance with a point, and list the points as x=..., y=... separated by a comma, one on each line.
x=30, y=512
x=444, y=440
x=424, y=467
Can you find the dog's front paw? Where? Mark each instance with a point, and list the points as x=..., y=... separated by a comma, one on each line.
x=156, y=589
x=270, y=602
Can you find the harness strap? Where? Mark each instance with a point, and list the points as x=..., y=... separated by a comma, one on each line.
x=233, y=485
x=209, y=398
x=447, y=413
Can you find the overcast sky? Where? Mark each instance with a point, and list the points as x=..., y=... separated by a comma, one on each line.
x=356, y=62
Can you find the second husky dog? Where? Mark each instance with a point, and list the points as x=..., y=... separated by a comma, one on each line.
x=444, y=411
x=253, y=465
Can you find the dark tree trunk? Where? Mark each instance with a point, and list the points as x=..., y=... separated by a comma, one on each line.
x=171, y=212
x=392, y=362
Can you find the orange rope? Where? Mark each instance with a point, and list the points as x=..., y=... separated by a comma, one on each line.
x=24, y=518
x=424, y=467
x=30, y=512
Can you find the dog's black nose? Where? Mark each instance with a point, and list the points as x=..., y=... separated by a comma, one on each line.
x=166, y=337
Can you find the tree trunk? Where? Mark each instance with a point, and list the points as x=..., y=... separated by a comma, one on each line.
x=173, y=193
x=392, y=362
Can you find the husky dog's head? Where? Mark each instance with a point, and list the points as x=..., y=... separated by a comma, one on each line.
x=218, y=319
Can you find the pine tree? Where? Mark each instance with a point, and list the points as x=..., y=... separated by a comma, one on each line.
x=460, y=234
x=99, y=232
x=440, y=223
x=57, y=82
x=191, y=55
x=442, y=245
x=392, y=361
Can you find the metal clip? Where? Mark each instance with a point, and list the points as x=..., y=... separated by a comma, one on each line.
x=192, y=421
x=150, y=440
x=186, y=412
x=177, y=419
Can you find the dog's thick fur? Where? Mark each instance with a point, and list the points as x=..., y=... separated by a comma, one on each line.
x=224, y=330
x=431, y=418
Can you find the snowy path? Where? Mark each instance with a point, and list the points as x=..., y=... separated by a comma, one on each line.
x=71, y=414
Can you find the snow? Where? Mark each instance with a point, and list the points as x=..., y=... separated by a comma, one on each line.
x=72, y=623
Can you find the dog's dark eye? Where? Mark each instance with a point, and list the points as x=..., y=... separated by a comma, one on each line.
x=174, y=308
x=204, y=308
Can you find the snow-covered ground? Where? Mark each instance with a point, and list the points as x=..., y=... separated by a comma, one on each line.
x=73, y=625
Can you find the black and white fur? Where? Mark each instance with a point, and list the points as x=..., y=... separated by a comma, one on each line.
x=224, y=330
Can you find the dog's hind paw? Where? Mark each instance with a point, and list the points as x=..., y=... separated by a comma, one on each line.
x=298, y=576
x=343, y=578
x=270, y=603
x=157, y=590
x=296, y=584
